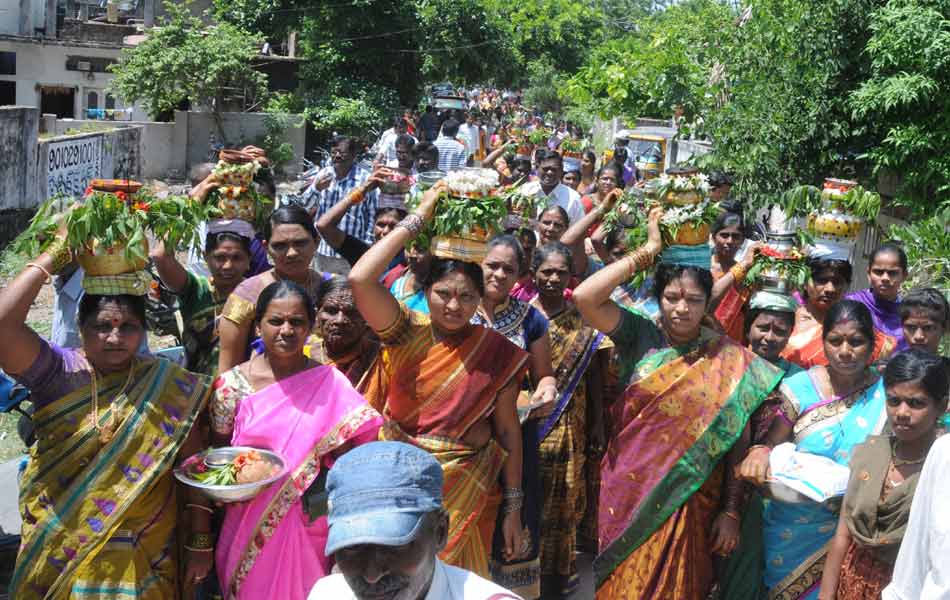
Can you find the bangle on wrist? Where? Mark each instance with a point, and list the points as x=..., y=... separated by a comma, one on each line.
x=732, y=515
x=738, y=272
x=413, y=222
x=49, y=278
x=60, y=254
x=207, y=509
x=193, y=549
x=200, y=541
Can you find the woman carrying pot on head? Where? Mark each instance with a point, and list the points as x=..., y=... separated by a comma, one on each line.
x=526, y=327
x=667, y=501
x=282, y=401
x=201, y=299
x=730, y=294
x=887, y=270
x=573, y=426
x=830, y=278
x=341, y=337
x=884, y=474
x=828, y=411
x=98, y=500
x=291, y=241
x=450, y=387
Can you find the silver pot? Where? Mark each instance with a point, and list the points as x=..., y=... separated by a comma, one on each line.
x=239, y=492
x=780, y=241
x=428, y=179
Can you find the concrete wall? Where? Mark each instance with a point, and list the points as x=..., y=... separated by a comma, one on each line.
x=18, y=134
x=40, y=64
x=10, y=16
x=234, y=131
x=171, y=149
x=119, y=157
x=158, y=154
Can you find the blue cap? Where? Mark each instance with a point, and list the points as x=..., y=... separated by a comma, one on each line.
x=378, y=494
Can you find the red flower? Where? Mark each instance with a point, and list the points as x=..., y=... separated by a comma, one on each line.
x=142, y=206
x=122, y=196
x=88, y=192
x=201, y=467
x=768, y=251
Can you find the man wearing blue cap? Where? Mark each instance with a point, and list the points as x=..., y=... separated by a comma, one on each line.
x=387, y=526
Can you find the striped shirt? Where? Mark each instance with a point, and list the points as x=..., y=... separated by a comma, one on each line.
x=358, y=221
x=452, y=154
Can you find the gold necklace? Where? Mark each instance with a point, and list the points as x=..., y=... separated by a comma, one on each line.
x=899, y=462
x=108, y=430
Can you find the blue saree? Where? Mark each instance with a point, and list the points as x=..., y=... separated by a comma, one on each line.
x=796, y=534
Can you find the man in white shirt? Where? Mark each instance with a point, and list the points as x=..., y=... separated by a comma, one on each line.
x=470, y=135
x=387, y=526
x=548, y=185
x=385, y=147
x=922, y=571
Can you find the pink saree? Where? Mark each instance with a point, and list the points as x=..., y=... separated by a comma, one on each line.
x=304, y=418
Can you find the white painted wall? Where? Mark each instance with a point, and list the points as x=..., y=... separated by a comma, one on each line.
x=10, y=16
x=45, y=64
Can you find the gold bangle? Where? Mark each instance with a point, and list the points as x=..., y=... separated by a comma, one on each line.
x=738, y=272
x=60, y=255
x=201, y=541
x=207, y=509
x=193, y=549
x=732, y=515
x=49, y=278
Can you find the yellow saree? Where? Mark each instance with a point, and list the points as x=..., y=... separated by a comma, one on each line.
x=99, y=520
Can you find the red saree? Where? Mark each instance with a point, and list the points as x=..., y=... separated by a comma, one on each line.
x=806, y=349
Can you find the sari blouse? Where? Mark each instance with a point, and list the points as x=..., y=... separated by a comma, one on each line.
x=806, y=349
x=242, y=303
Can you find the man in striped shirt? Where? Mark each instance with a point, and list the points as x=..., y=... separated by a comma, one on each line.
x=331, y=186
x=452, y=152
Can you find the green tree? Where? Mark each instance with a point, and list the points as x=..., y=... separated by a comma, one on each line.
x=906, y=100
x=184, y=60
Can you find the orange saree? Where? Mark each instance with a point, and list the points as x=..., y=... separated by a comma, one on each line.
x=432, y=391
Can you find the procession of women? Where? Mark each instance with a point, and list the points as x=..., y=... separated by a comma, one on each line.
x=614, y=366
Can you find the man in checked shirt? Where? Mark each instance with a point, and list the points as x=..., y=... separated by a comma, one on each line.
x=332, y=185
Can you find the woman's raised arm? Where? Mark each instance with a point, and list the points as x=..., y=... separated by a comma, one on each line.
x=373, y=300
x=592, y=296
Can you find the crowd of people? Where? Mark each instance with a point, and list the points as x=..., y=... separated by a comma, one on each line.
x=459, y=429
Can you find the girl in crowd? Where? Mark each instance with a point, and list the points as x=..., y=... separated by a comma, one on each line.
x=527, y=328
x=887, y=270
x=201, y=299
x=342, y=338
x=589, y=175
x=925, y=319
x=730, y=293
x=827, y=411
x=291, y=241
x=580, y=358
x=450, y=387
x=665, y=475
x=884, y=474
x=830, y=277
x=308, y=413
x=98, y=500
